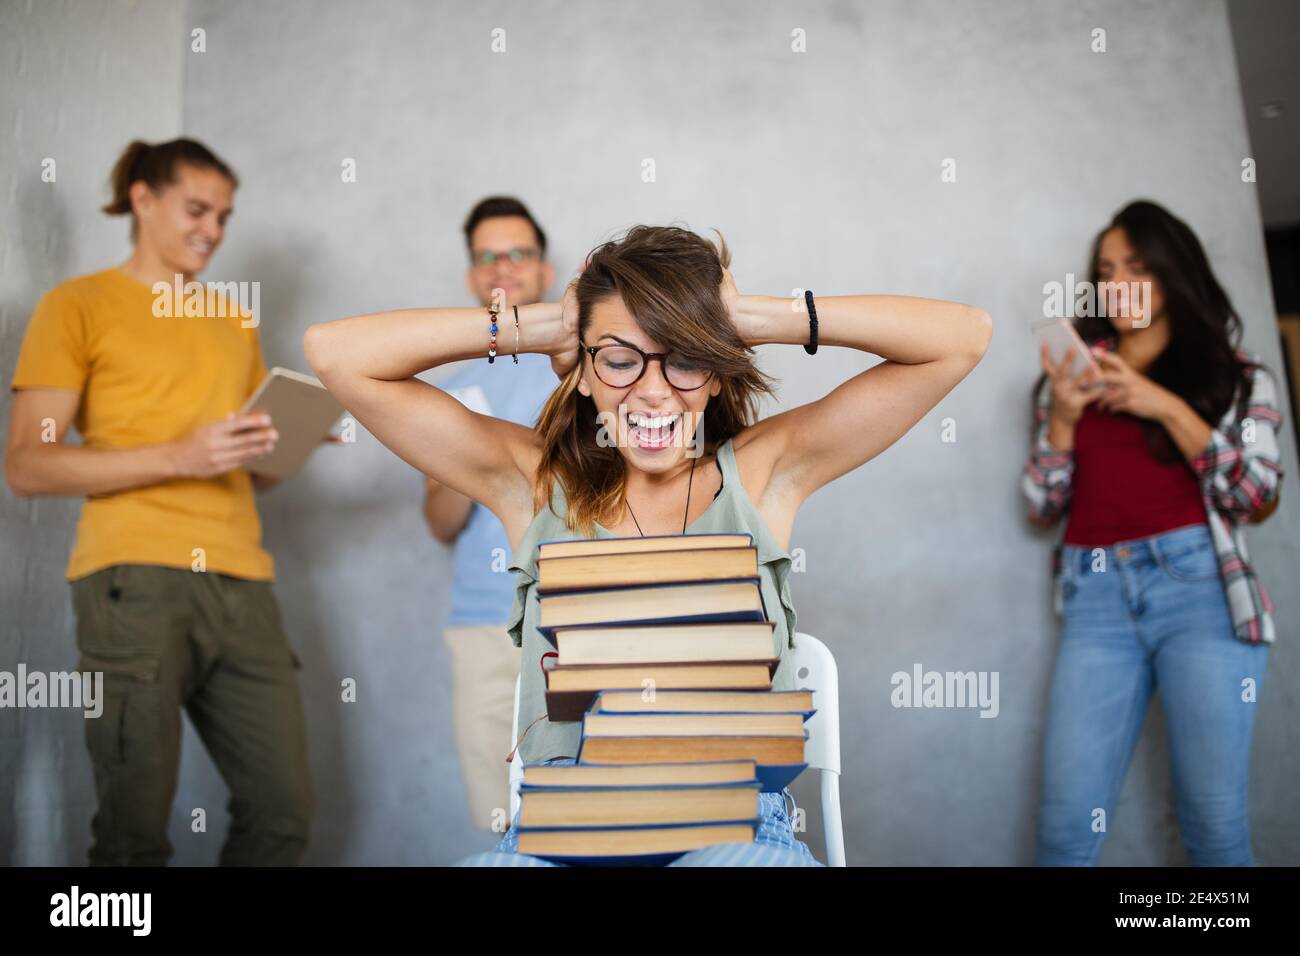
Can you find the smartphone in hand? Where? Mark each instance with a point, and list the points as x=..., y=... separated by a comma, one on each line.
x=1063, y=340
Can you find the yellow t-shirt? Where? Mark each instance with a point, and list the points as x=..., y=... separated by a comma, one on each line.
x=145, y=380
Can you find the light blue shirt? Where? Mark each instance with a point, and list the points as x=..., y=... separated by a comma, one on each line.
x=482, y=585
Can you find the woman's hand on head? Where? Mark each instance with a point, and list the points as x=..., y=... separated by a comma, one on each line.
x=729, y=293
x=567, y=354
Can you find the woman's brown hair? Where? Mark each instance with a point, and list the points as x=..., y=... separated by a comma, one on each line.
x=669, y=279
x=155, y=166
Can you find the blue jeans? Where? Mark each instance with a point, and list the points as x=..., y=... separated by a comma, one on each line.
x=774, y=843
x=1153, y=615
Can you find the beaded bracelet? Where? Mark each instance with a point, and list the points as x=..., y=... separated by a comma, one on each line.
x=516, y=355
x=492, y=346
x=811, y=347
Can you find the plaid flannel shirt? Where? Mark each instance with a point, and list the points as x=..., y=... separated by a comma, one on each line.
x=1239, y=472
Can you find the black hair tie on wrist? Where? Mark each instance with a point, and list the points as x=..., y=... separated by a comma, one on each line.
x=811, y=347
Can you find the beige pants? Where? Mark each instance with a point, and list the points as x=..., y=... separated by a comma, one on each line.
x=484, y=665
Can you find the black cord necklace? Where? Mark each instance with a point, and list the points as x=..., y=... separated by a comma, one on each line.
x=688, y=501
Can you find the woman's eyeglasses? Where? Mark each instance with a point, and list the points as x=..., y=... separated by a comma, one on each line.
x=619, y=366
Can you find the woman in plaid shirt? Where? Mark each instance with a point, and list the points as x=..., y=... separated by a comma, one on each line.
x=1157, y=459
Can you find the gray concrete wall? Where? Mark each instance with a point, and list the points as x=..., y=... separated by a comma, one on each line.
x=823, y=170
x=81, y=79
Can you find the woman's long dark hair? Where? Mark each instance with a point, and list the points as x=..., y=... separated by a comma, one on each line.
x=1200, y=363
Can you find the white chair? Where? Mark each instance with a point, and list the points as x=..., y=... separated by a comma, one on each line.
x=813, y=667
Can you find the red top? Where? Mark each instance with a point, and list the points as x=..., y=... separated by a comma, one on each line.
x=1120, y=490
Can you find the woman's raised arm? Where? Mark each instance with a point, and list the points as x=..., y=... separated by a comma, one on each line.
x=369, y=363
x=929, y=346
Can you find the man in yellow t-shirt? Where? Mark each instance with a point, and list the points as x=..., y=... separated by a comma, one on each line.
x=170, y=583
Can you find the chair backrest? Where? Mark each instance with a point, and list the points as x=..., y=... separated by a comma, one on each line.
x=516, y=762
x=814, y=667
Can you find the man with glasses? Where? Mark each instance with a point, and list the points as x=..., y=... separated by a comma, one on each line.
x=507, y=250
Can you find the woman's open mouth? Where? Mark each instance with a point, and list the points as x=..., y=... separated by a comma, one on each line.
x=652, y=432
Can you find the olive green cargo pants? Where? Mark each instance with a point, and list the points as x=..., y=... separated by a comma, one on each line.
x=167, y=638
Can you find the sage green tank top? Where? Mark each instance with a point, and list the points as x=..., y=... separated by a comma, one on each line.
x=731, y=511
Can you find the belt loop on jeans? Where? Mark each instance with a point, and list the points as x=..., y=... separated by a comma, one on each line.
x=1156, y=550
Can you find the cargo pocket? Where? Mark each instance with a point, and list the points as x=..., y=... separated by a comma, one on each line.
x=126, y=731
x=123, y=616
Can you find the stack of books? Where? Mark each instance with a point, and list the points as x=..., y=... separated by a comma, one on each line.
x=666, y=654
x=635, y=814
